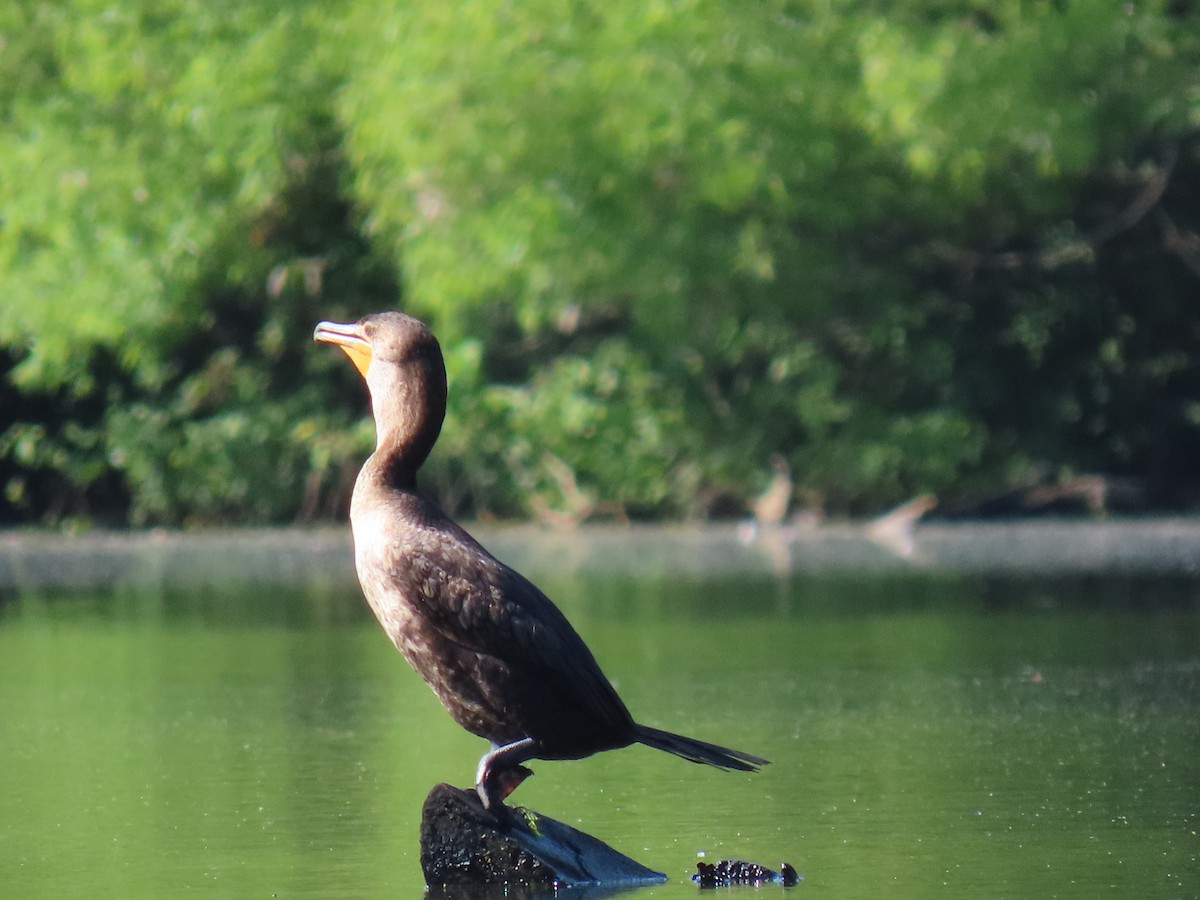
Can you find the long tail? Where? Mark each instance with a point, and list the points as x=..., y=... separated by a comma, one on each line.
x=699, y=751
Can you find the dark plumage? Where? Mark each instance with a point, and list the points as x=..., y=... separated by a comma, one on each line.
x=502, y=659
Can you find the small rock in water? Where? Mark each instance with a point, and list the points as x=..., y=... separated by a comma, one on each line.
x=463, y=844
x=736, y=871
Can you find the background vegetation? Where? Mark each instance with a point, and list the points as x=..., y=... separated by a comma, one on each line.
x=947, y=247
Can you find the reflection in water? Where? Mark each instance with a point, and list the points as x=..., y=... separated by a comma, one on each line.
x=974, y=732
x=534, y=892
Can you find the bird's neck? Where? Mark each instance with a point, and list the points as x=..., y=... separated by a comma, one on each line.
x=408, y=419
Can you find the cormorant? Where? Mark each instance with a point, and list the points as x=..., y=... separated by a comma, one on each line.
x=502, y=658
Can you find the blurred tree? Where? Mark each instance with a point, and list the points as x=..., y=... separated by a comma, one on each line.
x=173, y=223
x=775, y=203
x=926, y=249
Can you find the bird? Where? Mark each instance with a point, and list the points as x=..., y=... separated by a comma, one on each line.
x=500, y=656
x=772, y=505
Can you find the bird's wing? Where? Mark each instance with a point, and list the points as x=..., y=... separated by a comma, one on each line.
x=476, y=601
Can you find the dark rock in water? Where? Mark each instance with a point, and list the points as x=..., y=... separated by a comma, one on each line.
x=735, y=871
x=464, y=844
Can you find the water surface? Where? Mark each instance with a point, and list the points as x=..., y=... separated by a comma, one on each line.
x=968, y=730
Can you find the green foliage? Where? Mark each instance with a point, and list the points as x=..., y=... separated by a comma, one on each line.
x=125, y=165
x=912, y=250
x=606, y=426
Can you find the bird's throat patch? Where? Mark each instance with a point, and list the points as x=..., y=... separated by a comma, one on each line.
x=360, y=355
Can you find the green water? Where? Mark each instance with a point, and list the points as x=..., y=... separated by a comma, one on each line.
x=932, y=734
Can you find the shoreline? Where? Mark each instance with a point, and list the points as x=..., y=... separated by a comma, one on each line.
x=33, y=560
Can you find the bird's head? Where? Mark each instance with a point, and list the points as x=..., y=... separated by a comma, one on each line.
x=402, y=364
x=389, y=337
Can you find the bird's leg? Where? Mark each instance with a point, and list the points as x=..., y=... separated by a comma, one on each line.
x=500, y=770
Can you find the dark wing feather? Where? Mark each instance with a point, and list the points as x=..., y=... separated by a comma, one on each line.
x=479, y=603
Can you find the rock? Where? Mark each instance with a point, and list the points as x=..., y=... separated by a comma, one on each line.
x=735, y=871
x=464, y=844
